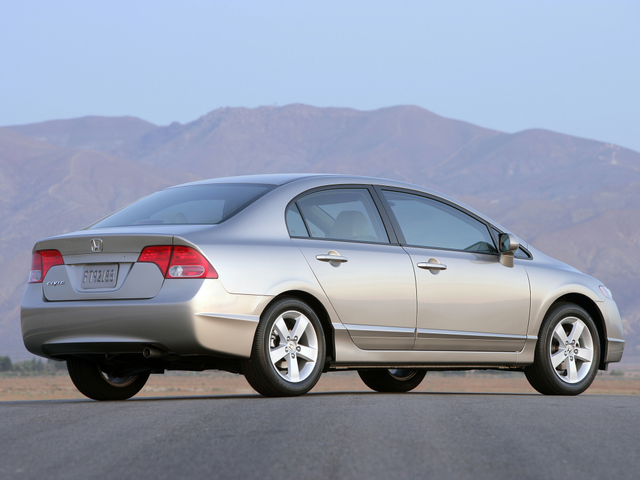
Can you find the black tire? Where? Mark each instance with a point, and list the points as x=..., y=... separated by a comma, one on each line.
x=396, y=380
x=92, y=382
x=278, y=379
x=576, y=372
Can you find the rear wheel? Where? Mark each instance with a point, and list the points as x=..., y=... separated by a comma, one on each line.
x=392, y=380
x=288, y=351
x=567, y=354
x=97, y=384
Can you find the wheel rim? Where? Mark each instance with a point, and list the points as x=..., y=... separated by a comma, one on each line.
x=119, y=382
x=293, y=346
x=571, y=350
x=402, y=374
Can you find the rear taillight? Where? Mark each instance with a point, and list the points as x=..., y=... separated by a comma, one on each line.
x=41, y=262
x=159, y=254
x=178, y=262
x=187, y=262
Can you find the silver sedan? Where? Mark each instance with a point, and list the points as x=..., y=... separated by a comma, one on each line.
x=283, y=277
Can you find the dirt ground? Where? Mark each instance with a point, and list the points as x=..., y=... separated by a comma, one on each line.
x=50, y=387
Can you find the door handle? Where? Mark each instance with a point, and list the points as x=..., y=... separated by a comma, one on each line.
x=432, y=266
x=331, y=258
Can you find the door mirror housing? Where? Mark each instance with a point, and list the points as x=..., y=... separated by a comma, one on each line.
x=508, y=244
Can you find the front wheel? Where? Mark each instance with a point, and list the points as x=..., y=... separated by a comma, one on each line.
x=95, y=383
x=395, y=380
x=288, y=351
x=567, y=354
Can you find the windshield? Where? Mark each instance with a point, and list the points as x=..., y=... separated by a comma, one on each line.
x=189, y=205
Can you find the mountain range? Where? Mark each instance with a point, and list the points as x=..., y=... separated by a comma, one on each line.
x=576, y=199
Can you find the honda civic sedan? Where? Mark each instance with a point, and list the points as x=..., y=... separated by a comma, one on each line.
x=281, y=278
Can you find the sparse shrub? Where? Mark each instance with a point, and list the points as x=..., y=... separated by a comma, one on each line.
x=617, y=373
x=5, y=364
x=56, y=366
x=35, y=366
x=29, y=366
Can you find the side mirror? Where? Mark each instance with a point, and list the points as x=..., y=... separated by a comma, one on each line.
x=508, y=246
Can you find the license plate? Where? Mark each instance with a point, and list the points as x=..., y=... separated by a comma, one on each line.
x=99, y=276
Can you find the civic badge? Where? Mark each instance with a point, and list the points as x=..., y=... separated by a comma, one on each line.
x=96, y=245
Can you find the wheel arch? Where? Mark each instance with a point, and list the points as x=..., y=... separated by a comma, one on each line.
x=322, y=313
x=592, y=309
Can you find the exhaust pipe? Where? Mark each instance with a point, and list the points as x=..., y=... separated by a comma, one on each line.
x=151, y=352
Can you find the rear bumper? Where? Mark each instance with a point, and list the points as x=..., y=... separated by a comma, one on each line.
x=187, y=317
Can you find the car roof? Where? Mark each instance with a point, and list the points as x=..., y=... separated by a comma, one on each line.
x=285, y=178
x=315, y=179
x=267, y=178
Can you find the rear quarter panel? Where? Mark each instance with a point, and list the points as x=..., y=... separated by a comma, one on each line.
x=253, y=253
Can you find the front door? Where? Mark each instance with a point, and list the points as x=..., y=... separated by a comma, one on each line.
x=467, y=300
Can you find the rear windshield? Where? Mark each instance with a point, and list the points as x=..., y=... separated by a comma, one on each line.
x=189, y=205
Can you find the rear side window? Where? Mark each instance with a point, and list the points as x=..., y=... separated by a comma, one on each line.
x=188, y=205
x=342, y=214
x=295, y=224
x=425, y=222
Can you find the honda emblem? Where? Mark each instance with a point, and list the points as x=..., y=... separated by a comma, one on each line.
x=96, y=245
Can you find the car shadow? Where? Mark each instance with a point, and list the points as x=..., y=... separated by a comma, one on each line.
x=256, y=396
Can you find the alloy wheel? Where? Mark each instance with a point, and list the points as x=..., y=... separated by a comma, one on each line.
x=117, y=381
x=293, y=346
x=571, y=350
x=402, y=374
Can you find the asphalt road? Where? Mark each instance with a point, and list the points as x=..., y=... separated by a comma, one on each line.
x=337, y=435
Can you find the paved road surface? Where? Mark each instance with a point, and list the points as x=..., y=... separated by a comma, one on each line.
x=341, y=435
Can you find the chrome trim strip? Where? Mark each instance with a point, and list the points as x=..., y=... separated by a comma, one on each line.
x=232, y=316
x=101, y=258
x=377, y=331
x=430, y=366
x=615, y=340
x=427, y=333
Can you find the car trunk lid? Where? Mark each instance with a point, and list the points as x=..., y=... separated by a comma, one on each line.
x=102, y=264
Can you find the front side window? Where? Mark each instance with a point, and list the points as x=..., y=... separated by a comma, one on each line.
x=189, y=205
x=425, y=222
x=342, y=214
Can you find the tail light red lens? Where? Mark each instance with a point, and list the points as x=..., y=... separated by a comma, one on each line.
x=158, y=254
x=187, y=262
x=178, y=262
x=41, y=262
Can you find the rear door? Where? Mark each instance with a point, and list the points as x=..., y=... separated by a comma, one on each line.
x=368, y=279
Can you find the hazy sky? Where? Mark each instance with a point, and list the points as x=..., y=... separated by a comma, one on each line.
x=569, y=66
